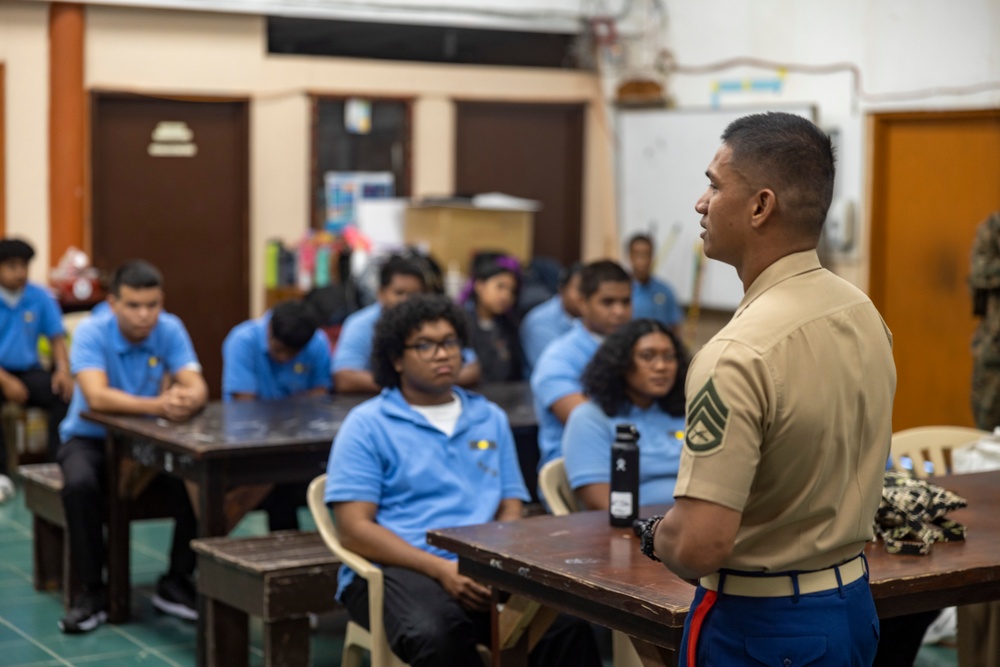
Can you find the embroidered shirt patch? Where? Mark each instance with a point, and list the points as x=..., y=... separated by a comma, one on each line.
x=707, y=417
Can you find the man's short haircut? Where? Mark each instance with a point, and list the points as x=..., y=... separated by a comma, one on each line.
x=567, y=274
x=15, y=249
x=399, y=266
x=640, y=238
x=137, y=274
x=601, y=271
x=398, y=322
x=293, y=324
x=789, y=154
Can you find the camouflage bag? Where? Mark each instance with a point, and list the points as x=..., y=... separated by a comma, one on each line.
x=910, y=517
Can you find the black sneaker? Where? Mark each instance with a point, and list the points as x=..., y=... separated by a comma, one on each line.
x=89, y=610
x=175, y=595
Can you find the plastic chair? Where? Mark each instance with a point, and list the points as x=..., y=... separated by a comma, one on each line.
x=554, y=486
x=931, y=444
x=356, y=638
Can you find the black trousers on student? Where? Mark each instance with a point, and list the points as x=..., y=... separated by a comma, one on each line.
x=39, y=385
x=282, y=505
x=85, y=485
x=426, y=627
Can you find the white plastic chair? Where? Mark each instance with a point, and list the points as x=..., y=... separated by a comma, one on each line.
x=932, y=444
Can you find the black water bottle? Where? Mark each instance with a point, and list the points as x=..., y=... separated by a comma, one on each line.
x=625, y=476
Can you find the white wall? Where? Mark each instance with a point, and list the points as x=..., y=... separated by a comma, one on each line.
x=25, y=56
x=898, y=45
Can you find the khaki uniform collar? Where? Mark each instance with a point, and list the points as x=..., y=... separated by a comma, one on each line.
x=787, y=267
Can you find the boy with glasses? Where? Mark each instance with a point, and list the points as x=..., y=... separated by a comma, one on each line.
x=426, y=454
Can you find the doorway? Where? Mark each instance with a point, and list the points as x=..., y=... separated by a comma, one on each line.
x=533, y=151
x=936, y=176
x=170, y=185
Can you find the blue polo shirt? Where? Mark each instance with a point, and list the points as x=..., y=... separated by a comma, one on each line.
x=587, y=448
x=388, y=454
x=655, y=300
x=135, y=368
x=354, y=346
x=247, y=368
x=35, y=314
x=542, y=325
x=558, y=375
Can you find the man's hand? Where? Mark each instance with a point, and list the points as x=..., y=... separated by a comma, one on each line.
x=13, y=389
x=62, y=384
x=471, y=595
x=178, y=403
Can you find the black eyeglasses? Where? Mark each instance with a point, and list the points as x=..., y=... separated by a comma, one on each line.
x=426, y=349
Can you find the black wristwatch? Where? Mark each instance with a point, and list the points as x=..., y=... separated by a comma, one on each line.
x=645, y=529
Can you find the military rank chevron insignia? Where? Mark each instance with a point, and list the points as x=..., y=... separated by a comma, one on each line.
x=707, y=416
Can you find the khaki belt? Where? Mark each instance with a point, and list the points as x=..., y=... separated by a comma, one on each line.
x=777, y=586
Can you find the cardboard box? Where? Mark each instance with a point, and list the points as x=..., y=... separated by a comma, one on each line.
x=454, y=233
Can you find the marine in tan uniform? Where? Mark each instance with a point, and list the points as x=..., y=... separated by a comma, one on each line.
x=788, y=424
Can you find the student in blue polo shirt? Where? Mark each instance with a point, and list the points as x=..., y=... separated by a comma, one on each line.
x=636, y=377
x=425, y=454
x=555, y=383
x=399, y=279
x=651, y=297
x=551, y=319
x=135, y=360
x=28, y=311
x=282, y=354
x=279, y=355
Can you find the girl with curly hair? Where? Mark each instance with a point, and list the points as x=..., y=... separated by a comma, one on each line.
x=636, y=376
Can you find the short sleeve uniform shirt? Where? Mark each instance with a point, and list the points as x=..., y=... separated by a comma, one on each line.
x=542, y=325
x=789, y=418
x=135, y=368
x=35, y=314
x=388, y=454
x=556, y=376
x=655, y=299
x=247, y=368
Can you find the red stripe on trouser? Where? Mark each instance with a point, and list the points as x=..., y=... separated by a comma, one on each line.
x=699, y=617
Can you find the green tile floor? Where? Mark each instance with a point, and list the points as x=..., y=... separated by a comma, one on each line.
x=29, y=636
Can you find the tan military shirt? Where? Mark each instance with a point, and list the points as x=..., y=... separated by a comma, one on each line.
x=789, y=418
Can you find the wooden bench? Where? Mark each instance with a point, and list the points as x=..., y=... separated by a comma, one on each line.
x=281, y=578
x=52, y=561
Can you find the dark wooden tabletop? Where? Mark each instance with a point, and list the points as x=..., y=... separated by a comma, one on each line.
x=243, y=428
x=580, y=564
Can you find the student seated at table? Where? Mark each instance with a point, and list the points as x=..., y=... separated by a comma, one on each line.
x=27, y=312
x=551, y=319
x=279, y=355
x=651, y=297
x=492, y=331
x=399, y=279
x=637, y=377
x=135, y=360
x=555, y=383
x=426, y=454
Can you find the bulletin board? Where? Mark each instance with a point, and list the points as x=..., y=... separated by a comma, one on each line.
x=662, y=159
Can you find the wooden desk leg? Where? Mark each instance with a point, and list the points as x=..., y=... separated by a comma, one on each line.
x=517, y=628
x=286, y=643
x=119, y=589
x=211, y=513
x=652, y=655
x=227, y=635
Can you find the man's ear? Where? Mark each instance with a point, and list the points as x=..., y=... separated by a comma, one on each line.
x=764, y=204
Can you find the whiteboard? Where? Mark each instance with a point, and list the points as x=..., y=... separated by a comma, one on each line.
x=661, y=174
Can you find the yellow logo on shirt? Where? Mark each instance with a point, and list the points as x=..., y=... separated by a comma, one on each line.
x=482, y=445
x=29, y=317
x=153, y=361
x=299, y=368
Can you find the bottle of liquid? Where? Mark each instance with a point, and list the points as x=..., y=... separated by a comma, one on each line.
x=624, y=507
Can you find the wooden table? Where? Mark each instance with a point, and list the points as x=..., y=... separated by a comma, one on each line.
x=581, y=565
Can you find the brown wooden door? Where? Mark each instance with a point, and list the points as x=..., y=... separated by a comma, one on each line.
x=936, y=176
x=527, y=150
x=184, y=207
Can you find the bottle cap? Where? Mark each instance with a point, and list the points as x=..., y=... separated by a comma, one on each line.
x=626, y=432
